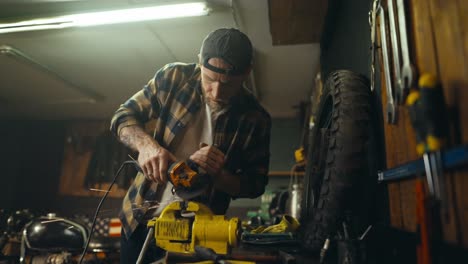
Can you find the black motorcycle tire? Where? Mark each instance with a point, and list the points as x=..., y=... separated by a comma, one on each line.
x=336, y=181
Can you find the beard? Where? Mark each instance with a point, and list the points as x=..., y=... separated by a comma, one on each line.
x=216, y=107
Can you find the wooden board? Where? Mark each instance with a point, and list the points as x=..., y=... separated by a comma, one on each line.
x=79, y=143
x=450, y=27
x=439, y=44
x=296, y=21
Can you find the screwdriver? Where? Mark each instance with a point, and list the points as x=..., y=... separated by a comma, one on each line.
x=426, y=108
x=427, y=112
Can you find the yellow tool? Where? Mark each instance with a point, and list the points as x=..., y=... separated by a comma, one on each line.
x=428, y=117
x=184, y=225
x=427, y=112
x=186, y=177
x=182, y=175
x=287, y=224
x=299, y=155
x=189, y=179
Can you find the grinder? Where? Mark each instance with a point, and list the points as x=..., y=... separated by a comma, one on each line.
x=188, y=179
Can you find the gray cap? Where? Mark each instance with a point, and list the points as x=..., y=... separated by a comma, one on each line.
x=232, y=46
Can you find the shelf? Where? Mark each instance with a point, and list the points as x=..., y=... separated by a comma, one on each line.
x=283, y=173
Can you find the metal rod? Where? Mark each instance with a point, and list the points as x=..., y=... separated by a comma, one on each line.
x=429, y=176
x=145, y=246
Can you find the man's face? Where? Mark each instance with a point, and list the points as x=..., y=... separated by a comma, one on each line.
x=219, y=88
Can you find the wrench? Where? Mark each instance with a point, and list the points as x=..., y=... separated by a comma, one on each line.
x=407, y=70
x=373, y=26
x=395, y=53
x=391, y=111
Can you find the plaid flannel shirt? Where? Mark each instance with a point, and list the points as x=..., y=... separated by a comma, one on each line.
x=172, y=98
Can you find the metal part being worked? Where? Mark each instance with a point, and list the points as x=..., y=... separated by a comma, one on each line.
x=391, y=109
x=395, y=52
x=407, y=70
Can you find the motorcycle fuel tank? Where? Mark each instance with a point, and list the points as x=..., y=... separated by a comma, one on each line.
x=51, y=233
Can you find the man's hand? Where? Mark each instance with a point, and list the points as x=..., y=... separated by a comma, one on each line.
x=212, y=160
x=209, y=158
x=153, y=159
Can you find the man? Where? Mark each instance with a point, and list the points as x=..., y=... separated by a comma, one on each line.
x=202, y=112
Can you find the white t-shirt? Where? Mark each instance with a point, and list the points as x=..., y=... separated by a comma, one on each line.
x=199, y=130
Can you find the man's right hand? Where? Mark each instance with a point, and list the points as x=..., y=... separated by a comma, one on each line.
x=153, y=159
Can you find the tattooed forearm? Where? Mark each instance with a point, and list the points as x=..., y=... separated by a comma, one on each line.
x=135, y=137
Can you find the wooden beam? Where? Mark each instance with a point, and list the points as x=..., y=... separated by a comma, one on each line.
x=296, y=21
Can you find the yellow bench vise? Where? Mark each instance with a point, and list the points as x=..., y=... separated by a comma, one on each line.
x=184, y=225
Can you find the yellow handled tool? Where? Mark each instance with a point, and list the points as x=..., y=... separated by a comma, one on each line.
x=427, y=112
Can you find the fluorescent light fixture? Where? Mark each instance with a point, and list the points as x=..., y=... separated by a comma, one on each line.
x=109, y=17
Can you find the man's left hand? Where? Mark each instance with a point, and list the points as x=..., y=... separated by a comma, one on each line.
x=209, y=158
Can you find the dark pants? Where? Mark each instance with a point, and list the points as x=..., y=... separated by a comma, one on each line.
x=130, y=248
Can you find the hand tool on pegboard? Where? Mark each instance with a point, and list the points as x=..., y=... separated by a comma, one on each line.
x=408, y=73
x=427, y=113
x=451, y=159
x=374, y=46
x=395, y=52
x=391, y=109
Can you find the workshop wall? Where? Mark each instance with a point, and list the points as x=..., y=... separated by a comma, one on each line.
x=285, y=139
x=345, y=42
x=31, y=157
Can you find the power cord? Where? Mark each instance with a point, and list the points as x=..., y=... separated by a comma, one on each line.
x=137, y=166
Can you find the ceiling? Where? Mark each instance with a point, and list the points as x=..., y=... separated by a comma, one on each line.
x=85, y=73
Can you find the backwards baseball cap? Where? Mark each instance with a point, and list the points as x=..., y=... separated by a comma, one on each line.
x=232, y=46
